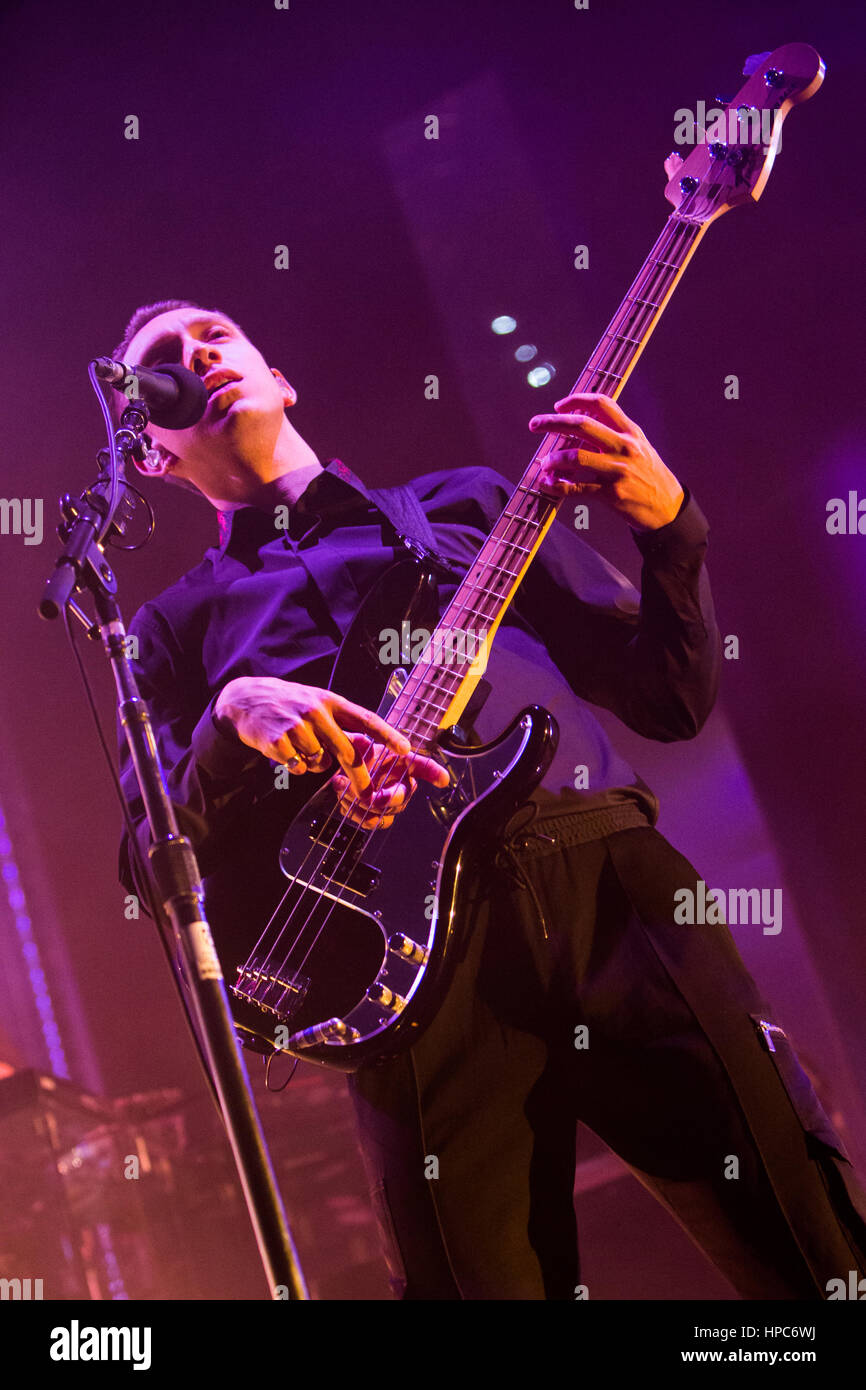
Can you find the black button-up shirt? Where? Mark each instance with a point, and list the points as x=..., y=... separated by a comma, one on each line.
x=278, y=602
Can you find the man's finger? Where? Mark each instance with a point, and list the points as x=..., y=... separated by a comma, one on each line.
x=561, y=485
x=559, y=459
x=583, y=400
x=379, y=799
x=284, y=751
x=383, y=764
x=310, y=747
x=574, y=424
x=427, y=769
x=363, y=721
x=344, y=750
x=383, y=796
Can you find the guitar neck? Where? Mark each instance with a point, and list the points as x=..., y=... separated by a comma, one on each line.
x=437, y=690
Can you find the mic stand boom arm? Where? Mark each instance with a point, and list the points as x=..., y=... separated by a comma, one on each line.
x=172, y=863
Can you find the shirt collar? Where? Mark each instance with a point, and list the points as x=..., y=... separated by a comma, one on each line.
x=239, y=523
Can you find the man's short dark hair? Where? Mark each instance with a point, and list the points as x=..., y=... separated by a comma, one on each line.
x=145, y=312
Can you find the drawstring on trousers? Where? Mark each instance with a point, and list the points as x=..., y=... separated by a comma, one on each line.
x=507, y=861
x=558, y=833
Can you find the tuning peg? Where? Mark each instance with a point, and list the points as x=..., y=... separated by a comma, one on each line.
x=754, y=61
x=672, y=163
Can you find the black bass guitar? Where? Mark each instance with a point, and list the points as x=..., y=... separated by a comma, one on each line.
x=355, y=956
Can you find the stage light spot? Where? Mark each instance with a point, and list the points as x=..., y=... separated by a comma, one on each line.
x=540, y=376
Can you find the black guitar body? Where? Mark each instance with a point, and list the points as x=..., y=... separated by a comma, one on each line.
x=349, y=950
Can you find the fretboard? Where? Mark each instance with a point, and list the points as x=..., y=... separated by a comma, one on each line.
x=436, y=692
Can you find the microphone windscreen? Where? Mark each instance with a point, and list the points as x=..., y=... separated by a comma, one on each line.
x=190, y=404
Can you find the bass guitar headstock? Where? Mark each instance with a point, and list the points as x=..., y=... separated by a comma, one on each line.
x=732, y=158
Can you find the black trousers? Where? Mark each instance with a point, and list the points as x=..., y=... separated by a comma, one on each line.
x=469, y=1139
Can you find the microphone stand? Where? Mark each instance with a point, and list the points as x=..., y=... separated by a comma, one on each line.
x=101, y=512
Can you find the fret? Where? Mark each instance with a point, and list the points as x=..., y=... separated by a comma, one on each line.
x=479, y=589
x=473, y=612
x=633, y=325
x=471, y=590
x=474, y=580
x=515, y=516
x=600, y=371
x=466, y=611
x=620, y=338
x=514, y=546
x=425, y=700
x=430, y=677
x=503, y=569
x=469, y=609
x=503, y=541
x=420, y=698
x=413, y=730
x=447, y=627
x=415, y=722
x=428, y=719
x=672, y=265
x=632, y=319
x=648, y=302
x=469, y=606
x=415, y=733
x=427, y=673
x=411, y=712
x=427, y=662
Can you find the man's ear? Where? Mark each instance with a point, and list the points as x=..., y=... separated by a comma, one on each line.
x=290, y=395
x=157, y=461
x=160, y=462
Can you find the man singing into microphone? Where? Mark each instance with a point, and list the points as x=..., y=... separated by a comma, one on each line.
x=572, y=921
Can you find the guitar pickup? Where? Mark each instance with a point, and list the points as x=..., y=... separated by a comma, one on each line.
x=358, y=878
x=339, y=838
x=342, y=865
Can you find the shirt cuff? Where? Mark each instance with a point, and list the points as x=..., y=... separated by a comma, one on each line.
x=679, y=538
x=222, y=755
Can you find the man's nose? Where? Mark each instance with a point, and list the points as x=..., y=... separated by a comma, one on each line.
x=202, y=357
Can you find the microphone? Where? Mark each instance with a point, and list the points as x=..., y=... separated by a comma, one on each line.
x=175, y=397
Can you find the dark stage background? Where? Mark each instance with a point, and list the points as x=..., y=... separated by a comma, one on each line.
x=261, y=127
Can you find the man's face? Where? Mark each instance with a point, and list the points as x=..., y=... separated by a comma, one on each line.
x=243, y=418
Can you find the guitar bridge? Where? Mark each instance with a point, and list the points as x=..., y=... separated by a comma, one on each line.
x=270, y=993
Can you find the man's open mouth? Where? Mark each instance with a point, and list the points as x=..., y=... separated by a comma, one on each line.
x=221, y=385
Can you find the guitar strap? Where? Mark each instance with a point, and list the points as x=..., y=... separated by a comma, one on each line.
x=409, y=525
x=406, y=519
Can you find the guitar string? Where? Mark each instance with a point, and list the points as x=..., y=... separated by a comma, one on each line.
x=645, y=283
x=505, y=540
x=676, y=236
